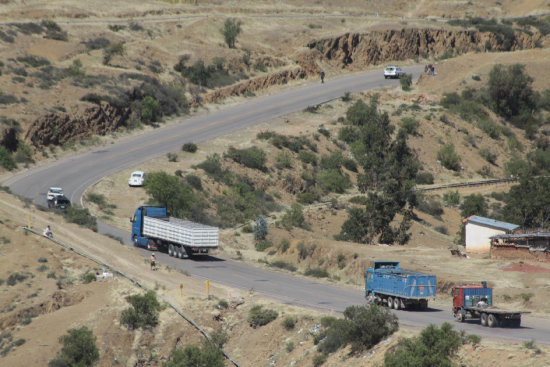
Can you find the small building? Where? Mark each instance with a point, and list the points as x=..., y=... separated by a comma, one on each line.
x=479, y=230
x=521, y=246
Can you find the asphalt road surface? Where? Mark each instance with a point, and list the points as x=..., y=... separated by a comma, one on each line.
x=80, y=171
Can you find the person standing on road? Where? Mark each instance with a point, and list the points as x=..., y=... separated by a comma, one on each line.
x=322, y=73
x=153, y=262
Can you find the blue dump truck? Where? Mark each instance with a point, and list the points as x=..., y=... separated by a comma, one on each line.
x=387, y=283
x=154, y=229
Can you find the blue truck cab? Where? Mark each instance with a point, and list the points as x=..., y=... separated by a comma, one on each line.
x=137, y=224
x=387, y=283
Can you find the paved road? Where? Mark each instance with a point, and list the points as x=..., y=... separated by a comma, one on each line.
x=77, y=173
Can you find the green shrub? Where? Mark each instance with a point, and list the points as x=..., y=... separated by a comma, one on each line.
x=97, y=43
x=231, y=29
x=410, y=125
x=206, y=356
x=283, y=265
x=289, y=346
x=424, y=178
x=289, y=322
x=308, y=197
x=80, y=216
x=144, y=312
x=189, y=147
x=79, y=349
x=266, y=135
x=406, y=82
x=316, y=272
x=307, y=157
x=331, y=180
x=442, y=230
x=258, y=316
x=212, y=165
x=448, y=157
x=451, y=198
x=247, y=229
x=350, y=165
x=150, y=108
x=293, y=217
x=33, y=61
x=489, y=128
x=6, y=159
x=348, y=134
x=262, y=245
x=284, y=160
x=223, y=304
x=15, y=278
x=284, y=245
x=100, y=200
x=430, y=206
x=488, y=155
x=319, y=360
x=434, y=347
x=253, y=157
x=112, y=50
x=90, y=277
x=194, y=181
x=346, y=97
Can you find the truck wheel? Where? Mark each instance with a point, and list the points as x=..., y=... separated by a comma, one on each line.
x=424, y=305
x=150, y=244
x=390, y=302
x=397, y=303
x=483, y=319
x=492, y=321
x=135, y=241
x=179, y=252
x=460, y=316
x=170, y=250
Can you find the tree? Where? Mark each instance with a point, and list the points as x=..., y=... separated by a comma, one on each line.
x=473, y=204
x=528, y=204
x=294, y=217
x=260, y=228
x=448, y=157
x=434, y=347
x=149, y=109
x=231, y=29
x=79, y=349
x=510, y=92
x=144, y=312
x=406, y=82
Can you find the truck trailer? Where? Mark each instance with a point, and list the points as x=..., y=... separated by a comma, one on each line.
x=386, y=283
x=153, y=229
x=475, y=302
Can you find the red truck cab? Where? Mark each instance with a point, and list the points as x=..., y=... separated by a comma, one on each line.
x=467, y=296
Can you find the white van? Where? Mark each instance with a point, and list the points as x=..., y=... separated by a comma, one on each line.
x=137, y=178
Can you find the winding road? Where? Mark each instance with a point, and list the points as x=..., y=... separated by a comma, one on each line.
x=80, y=171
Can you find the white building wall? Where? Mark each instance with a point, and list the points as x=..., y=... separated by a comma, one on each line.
x=478, y=237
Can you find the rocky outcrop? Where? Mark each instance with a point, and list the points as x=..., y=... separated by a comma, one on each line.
x=59, y=128
x=356, y=49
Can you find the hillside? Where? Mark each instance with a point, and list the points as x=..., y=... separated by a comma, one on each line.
x=75, y=76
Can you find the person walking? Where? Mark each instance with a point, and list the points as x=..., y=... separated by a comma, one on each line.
x=153, y=262
x=322, y=73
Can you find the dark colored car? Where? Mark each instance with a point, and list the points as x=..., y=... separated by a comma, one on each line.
x=59, y=202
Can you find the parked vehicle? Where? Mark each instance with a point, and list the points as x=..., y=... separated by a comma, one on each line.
x=387, y=283
x=53, y=192
x=475, y=302
x=59, y=202
x=394, y=72
x=153, y=229
x=137, y=178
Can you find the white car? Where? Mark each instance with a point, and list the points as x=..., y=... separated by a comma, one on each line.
x=393, y=72
x=54, y=192
x=137, y=178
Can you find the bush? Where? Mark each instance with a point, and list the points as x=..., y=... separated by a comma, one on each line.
x=430, y=206
x=293, y=217
x=33, y=61
x=410, y=125
x=80, y=216
x=112, y=50
x=251, y=157
x=350, y=165
x=260, y=228
x=332, y=180
x=15, y=278
x=348, y=134
x=434, y=347
x=319, y=360
x=284, y=160
x=90, y=277
x=6, y=159
x=207, y=356
x=488, y=155
x=194, y=181
x=189, y=147
x=149, y=109
x=231, y=29
x=284, y=245
x=79, y=349
x=406, y=82
x=262, y=245
x=448, y=157
x=257, y=316
x=307, y=157
x=289, y=322
x=144, y=312
x=97, y=43
x=283, y=265
x=451, y=198
x=316, y=272
x=308, y=197
x=424, y=178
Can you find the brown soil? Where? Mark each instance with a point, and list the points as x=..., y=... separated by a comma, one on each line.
x=525, y=268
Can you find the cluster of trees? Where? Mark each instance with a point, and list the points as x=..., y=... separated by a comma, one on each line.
x=389, y=173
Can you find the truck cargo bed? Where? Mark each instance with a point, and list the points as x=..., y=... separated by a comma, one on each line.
x=181, y=231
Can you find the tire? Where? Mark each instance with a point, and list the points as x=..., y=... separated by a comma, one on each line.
x=424, y=305
x=134, y=240
x=171, y=250
x=483, y=319
x=397, y=303
x=385, y=77
x=492, y=321
x=150, y=245
x=390, y=302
